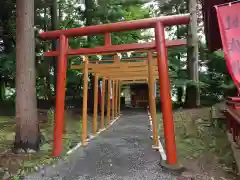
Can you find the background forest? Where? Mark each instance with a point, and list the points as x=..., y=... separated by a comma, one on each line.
x=64, y=14
x=198, y=77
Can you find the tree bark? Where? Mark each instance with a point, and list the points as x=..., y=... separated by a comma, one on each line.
x=2, y=89
x=55, y=26
x=89, y=15
x=179, y=95
x=48, y=75
x=60, y=7
x=179, y=89
x=27, y=127
x=192, y=92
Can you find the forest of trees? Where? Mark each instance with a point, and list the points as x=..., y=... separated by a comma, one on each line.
x=28, y=80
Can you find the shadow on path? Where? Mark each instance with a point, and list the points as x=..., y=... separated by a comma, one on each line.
x=123, y=152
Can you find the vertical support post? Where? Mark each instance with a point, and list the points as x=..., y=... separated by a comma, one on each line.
x=152, y=101
x=60, y=96
x=115, y=89
x=85, y=97
x=107, y=39
x=116, y=99
x=103, y=103
x=113, y=99
x=95, y=107
x=109, y=102
x=107, y=42
x=165, y=90
x=119, y=98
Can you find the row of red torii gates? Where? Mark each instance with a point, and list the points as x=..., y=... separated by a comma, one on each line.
x=119, y=72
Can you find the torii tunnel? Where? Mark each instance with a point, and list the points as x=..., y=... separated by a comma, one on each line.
x=157, y=69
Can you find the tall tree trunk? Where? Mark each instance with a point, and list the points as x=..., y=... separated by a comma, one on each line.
x=179, y=95
x=48, y=75
x=89, y=15
x=179, y=89
x=2, y=89
x=27, y=127
x=55, y=26
x=60, y=10
x=192, y=91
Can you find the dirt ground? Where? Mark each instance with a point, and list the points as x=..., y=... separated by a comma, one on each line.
x=20, y=164
x=202, y=147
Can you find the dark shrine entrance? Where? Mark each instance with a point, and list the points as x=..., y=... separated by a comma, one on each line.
x=139, y=95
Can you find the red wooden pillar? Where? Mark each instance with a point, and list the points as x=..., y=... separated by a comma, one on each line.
x=165, y=90
x=60, y=96
x=107, y=39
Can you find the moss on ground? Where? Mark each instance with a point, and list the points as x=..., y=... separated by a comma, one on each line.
x=202, y=148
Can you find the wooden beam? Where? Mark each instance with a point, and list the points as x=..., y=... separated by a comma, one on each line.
x=95, y=107
x=119, y=97
x=103, y=104
x=134, y=82
x=110, y=49
x=85, y=99
x=109, y=103
x=116, y=65
x=113, y=74
x=143, y=78
x=123, y=59
x=113, y=98
x=152, y=101
x=116, y=99
x=100, y=61
x=120, y=69
x=123, y=70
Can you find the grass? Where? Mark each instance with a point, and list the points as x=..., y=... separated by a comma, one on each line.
x=201, y=147
x=22, y=164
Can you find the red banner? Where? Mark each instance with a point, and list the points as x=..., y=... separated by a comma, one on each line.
x=229, y=25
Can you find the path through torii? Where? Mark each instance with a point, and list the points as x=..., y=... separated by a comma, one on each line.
x=157, y=69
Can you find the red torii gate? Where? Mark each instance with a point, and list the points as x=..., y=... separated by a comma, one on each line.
x=162, y=59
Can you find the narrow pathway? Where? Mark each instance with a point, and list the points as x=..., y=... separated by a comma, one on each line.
x=123, y=152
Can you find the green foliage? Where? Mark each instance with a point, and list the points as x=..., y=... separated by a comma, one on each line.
x=106, y=11
x=7, y=65
x=72, y=15
x=217, y=77
x=215, y=81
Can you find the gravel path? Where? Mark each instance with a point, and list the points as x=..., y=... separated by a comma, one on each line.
x=123, y=152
